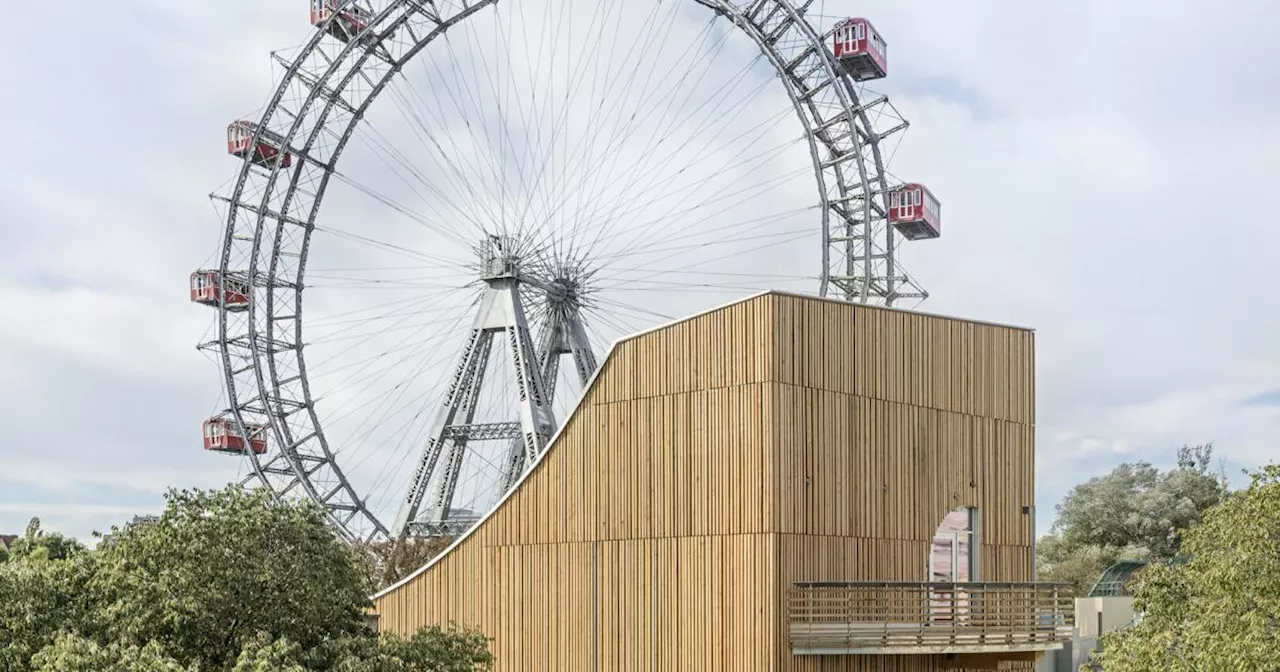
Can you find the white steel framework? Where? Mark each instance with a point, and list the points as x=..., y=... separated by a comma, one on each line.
x=501, y=314
x=324, y=98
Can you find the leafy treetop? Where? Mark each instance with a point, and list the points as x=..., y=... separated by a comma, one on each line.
x=224, y=581
x=1220, y=609
x=1135, y=512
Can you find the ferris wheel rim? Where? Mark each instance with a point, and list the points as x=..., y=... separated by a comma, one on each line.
x=262, y=329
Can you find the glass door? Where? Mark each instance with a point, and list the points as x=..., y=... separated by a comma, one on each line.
x=951, y=560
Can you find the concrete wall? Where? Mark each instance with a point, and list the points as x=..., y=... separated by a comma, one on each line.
x=1112, y=612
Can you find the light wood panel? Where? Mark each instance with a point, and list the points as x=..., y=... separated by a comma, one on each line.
x=717, y=460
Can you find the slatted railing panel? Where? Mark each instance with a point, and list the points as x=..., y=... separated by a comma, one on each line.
x=875, y=617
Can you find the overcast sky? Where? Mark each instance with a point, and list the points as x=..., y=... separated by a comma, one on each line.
x=1103, y=167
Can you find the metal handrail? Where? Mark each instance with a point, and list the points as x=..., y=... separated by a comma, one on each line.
x=900, y=616
x=892, y=584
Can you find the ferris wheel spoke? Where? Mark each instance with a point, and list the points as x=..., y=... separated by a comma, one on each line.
x=739, y=162
x=366, y=382
x=624, y=129
x=603, y=104
x=421, y=283
x=404, y=166
x=447, y=154
x=435, y=317
x=674, y=216
x=644, y=314
x=643, y=284
x=733, y=231
x=390, y=403
x=414, y=280
x=577, y=200
x=656, y=243
x=575, y=80
x=412, y=435
x=626, y=274
x=531, y=149
x=676, y=245
x=483, y=151
x=392, y=308
x=650, y=162
x=399, y=423
x=392, y=248
x=437, y=224
x=772, y=241
x=422, y=352
x=617, y=323
x=690, y=186
x=413, y=306
x=386, y=357
x=577, y=167
x=502, y=138
x=360, y=365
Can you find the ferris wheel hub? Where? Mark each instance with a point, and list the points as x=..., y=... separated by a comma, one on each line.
x=499, y=259
x=563, y=291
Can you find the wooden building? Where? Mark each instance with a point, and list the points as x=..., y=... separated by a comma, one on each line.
x=784, y=483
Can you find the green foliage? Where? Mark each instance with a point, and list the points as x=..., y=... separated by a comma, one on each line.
x=432, y=649
x=220, y=567
x=264, y=655
x=437, y=649
x=38, y=598
x=1219, y=610
x=1136, y=512
x=224, y=581
x=1079, y=566
x=70, y=653
x=386, y=562
x=36, y=543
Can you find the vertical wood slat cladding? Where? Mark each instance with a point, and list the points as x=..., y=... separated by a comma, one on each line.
x=715, y=461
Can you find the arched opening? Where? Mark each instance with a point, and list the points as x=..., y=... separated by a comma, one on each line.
x=953, y=558
x=953, y=555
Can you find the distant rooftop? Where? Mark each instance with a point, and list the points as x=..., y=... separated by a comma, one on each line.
x=138, y=521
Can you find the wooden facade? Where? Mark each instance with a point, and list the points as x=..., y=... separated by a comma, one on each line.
x=715, y=461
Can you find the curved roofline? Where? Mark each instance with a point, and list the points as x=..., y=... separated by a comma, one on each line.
x=592, y=383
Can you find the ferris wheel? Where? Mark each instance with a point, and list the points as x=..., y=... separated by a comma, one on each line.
x=537, y=179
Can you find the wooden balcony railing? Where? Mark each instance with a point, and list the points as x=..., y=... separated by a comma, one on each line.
x=928, y=618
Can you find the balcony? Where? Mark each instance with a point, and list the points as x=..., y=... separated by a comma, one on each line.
x=852, y=618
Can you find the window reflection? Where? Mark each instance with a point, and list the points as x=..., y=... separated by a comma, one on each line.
x=951, y=557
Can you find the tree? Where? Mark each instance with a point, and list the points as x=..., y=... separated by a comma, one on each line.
x=70, y=653
x=39, y=598
x=386, y=562
x=219, y=567
x=1220, y=609
x=36, y=541
x=440, y=649
x=265, y=655
x=224, y=581
x=1135, y=512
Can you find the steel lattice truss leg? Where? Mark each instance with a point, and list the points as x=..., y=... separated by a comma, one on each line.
x=564, y=335
x=501, y=314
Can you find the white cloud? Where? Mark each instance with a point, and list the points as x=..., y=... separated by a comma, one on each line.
x=1103, y=170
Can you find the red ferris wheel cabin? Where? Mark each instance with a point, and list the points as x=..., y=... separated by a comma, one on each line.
x=348, y=21
x=222, y=436
x=204, y=290
x=915, y=212
x=860, y=49
x=270, y=145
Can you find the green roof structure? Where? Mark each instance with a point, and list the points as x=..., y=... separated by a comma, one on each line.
x=1113, y=579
